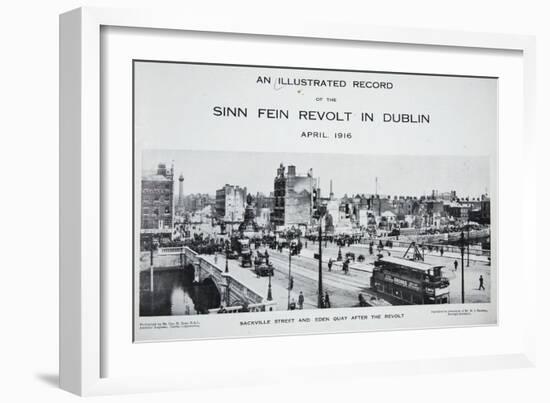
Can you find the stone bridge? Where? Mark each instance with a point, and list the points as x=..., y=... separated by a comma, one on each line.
x=233, y=293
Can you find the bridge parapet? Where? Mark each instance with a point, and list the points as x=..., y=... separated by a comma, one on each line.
x=232, y=290
x=250, y=308
x=170, y=250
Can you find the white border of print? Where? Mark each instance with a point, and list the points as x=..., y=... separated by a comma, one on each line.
x=83, y=351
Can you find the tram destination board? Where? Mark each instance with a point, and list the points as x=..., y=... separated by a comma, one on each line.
x=277, y=200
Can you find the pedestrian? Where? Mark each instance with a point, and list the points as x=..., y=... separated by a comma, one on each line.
x=481, y=286
x=362, y=301
x=292, y=305
x=345, y=266
x=441, y=251
x=215, y=257
x=327, y=300
x=456, y=264
x=330, y=264
x=301, y=301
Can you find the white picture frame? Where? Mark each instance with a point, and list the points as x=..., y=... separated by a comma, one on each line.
x=82, y=343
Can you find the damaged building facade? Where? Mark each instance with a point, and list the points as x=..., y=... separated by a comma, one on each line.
x=292, y=193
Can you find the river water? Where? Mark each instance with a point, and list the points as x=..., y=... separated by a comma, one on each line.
x=175, y=293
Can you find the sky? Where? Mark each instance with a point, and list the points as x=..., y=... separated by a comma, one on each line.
x=206, y=171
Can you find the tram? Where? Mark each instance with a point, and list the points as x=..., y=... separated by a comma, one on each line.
x=245, y=254
x=409, y=282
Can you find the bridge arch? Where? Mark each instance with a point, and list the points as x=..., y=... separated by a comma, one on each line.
x=210, y=280
x=211, y=288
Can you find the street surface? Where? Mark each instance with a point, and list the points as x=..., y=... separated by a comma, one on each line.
x=344, y=289
x=479, y=265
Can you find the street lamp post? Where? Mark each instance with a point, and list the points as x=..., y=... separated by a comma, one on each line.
x=269, y=296
x=320, y=291
x=226, y=259
x=289, y=237
x=151, y=267
x=228, y=292
x=468, y=246
x=462, y=262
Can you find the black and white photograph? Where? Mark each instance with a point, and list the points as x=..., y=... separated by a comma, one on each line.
x=338, y=195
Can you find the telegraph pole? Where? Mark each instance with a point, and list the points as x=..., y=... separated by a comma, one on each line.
x=319, y=212
x=289, y=273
